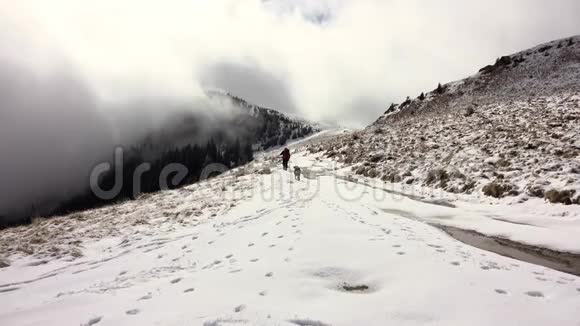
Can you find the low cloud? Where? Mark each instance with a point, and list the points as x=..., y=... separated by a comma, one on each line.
x=258, y=86
x=314, y=56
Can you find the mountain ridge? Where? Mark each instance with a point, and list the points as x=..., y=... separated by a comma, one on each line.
x=192, y=138
x=534, y=63
x=512, y=130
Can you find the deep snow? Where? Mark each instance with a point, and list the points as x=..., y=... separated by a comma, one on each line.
x=320, y=251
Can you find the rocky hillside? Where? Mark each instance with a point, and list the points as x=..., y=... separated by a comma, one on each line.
x=512, y=129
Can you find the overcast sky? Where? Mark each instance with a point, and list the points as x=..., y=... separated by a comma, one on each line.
x=324, y=59
x=76, y=74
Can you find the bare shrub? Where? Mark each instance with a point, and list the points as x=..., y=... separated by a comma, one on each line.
x=496, y=189
x=4, y=262
x=563, y=196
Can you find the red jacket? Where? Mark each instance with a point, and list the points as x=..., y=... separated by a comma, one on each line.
x=285, y=154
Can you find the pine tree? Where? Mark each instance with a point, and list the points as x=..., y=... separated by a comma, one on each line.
x=237, y=152
x=248, y=153
x=211, y=151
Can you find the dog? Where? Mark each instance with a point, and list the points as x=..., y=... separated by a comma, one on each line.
x=297, y=173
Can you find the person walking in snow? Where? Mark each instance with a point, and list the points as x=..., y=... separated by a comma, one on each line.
x=285, y=158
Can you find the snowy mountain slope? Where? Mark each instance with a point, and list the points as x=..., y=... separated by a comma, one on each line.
x=546, y=70
x=255, y=247
x=512, y=130
x=227, y=130
x=235, y=119
x=266, y=127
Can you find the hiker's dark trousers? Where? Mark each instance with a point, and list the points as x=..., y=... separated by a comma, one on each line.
x=285, y=164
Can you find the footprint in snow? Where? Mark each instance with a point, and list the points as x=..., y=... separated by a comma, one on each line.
x=215, y=262
x=307, y=322
x=400, y=253
x=272, y=246
x=229, y=256
x=280, y=236
x=455, y=263
x=541, y=279
x=188, y=290
x=250, y=244
x=145, y=297
x=177, y=280
x=264, y=234
x=235, y=271
x=132, y=312
x=211, y=242
x=396, y=246
x=254, y=260
x=500, y=291
x=93, y=321
x=291, y=249
x=263, y=293
x=240, y=308
x=122, y=273
x=535, y=294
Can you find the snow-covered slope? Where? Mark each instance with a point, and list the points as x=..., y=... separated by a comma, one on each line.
x=221, y=129
x=255, y=247
x=342, y=247
x=512, y=130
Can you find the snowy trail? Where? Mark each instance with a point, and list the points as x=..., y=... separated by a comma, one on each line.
x=297, y=253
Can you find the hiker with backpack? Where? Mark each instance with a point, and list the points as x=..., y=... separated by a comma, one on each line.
x=285, y=158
